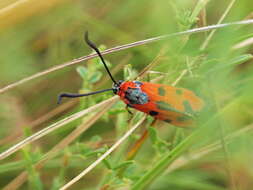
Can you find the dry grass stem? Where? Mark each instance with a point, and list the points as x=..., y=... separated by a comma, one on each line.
x=207, y=149
x=157, y=59
x=122, y=47
x=21, y=178
x=207, y=40
x=113, y=147
x=39, y=121
x=12, y=6
x=53, y=127
x=243, y=44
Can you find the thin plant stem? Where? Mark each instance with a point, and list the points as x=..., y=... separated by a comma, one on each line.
x=18, y=181
x=101, y=158
x=182, y=161
x=206, y=42
x=51, y=128
x=12, y=6
x=17, y=134
x=122, y=47
x=200, y=5
x=137, y=145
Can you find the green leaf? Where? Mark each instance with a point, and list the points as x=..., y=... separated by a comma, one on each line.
x=96, y=138
x=123, y=165
x=82, y=71
x=215, y=65
x=95, y=77
x=165, y=161
x=56, y=184
x=152, y=134
x=159, y=144
x=129, y=72
x=240, y=59
x=97, y=151
x=107, y=163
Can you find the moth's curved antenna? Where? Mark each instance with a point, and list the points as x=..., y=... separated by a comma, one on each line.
x=93, y=46
x=69, y=95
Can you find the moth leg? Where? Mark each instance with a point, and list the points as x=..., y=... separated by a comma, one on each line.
x=128, y=110
x=137, y=145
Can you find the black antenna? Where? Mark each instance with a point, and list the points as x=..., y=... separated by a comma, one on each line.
x=93, y=46
x=69, y=95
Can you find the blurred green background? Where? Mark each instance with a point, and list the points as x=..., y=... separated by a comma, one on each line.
x=37, y=35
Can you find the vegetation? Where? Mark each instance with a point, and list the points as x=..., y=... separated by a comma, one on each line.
x=40, y=42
